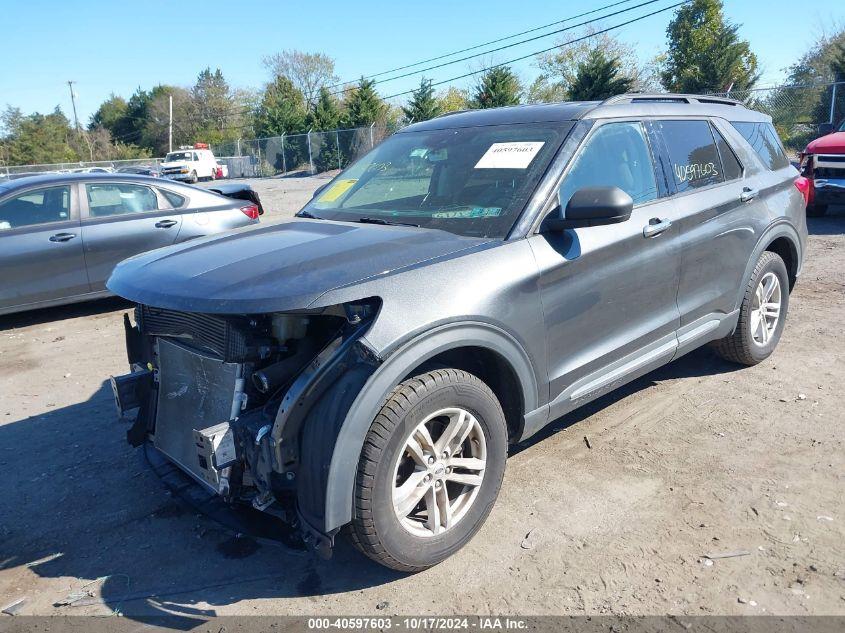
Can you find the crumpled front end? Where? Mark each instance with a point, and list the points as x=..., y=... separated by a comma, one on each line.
x=248, y=405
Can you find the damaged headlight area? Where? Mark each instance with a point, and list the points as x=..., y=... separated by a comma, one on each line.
x=230, y=398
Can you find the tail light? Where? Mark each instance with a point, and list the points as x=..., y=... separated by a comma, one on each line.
x=803, y=185
x=250, y=211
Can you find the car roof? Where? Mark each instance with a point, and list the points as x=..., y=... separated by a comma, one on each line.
x=51, y=178
x=635, y=104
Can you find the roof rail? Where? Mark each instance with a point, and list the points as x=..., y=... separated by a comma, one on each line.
x=669, y=97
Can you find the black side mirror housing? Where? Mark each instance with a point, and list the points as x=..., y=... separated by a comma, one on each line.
x=825, y=129
x=591, y=206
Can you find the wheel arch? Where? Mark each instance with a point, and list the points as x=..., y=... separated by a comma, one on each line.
x=782, y=239
x=470, y=342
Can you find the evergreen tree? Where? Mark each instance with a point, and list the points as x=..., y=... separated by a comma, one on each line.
x=363, y=105
x=497, y=87
x=706, y=53
x=330, y=150
x=423, y=105
x=326, y=114
x=281, y=110
x=598, y=78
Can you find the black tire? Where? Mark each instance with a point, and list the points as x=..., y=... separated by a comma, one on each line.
x=816, y=210
x=740, y=347
x=375, y=528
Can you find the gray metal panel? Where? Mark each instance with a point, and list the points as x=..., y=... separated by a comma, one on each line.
x=195, y=392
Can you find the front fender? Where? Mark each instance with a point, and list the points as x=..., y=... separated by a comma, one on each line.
x=350, y=439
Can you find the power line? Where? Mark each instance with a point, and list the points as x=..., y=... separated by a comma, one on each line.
x=477, y=46
x=501, y=48
x=517, y=59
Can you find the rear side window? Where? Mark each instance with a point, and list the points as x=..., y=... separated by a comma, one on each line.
x=174, y=199
x=616, y=155
x=36, y=207
x=692, y=153
x=730, y=163
x=763, y=138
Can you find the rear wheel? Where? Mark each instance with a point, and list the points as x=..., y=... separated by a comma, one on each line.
x=430, y=470
x=817, y=210
x=762, y=314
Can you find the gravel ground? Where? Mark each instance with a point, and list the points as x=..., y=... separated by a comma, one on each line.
x=282, y=197
x=699, y=458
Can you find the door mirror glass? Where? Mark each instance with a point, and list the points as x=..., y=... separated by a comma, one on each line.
x=592, y=206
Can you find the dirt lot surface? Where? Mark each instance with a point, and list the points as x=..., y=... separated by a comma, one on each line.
x=699, y=458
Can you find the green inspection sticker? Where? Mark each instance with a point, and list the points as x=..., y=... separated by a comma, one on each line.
x=470, y=212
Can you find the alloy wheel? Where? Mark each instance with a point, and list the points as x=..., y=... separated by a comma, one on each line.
x=439, y=472
x=765, y=309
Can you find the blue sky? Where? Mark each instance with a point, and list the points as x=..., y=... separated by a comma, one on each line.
x=109, y=46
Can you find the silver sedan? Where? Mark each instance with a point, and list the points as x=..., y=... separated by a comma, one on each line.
x=62, y=234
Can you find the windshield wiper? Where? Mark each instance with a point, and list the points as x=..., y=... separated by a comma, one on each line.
x=309, y=215
x=366, y=220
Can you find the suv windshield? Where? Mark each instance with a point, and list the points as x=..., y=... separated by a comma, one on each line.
x=469, y=181
x=177, y=156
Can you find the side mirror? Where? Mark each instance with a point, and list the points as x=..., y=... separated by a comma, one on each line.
x=591, y=206
x=825, y=129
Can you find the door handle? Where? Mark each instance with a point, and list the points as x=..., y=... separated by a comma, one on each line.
x=748, y=194
x=655, y=227
x=62, y=237
x=166, y=224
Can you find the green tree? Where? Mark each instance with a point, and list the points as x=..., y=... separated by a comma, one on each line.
x=497, y=87
x=705, y=52
x=423, y=104
x=110, y=114
x=559, y=69
x=308, y=72
x=326, y=113
x=36, y=138
x=281, y=109
x=363, y=105
x=453, y=99
x=598, y=78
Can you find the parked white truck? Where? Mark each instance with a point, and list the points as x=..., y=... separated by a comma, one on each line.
x=190, y=164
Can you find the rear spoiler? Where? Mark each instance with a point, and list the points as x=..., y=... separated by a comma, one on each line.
x=239, y=191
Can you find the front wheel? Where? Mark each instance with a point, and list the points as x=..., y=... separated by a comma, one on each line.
x=762, y=314
x=430, y=470
x=194, y=179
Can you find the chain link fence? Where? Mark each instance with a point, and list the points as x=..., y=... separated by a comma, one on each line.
x=797, y=111
x=12, y=171
x=311, y=153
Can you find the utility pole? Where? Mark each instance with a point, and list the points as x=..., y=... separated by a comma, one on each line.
x=170, y=126
x=73, y=102
x=79, y=133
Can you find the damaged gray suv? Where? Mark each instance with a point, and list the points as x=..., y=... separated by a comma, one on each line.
x=367, y=364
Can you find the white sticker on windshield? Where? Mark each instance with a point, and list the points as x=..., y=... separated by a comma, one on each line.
x=509, y=155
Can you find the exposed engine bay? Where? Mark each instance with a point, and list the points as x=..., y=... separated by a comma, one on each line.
x=248, y=405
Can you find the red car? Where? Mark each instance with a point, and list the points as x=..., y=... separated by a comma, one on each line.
x=823, y=164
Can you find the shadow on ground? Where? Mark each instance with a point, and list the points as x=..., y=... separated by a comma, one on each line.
x=699, y=362
x=62, y=313
x=833, y=223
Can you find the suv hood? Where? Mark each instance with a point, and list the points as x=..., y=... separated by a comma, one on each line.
x=832, y=143
x=285, y=266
